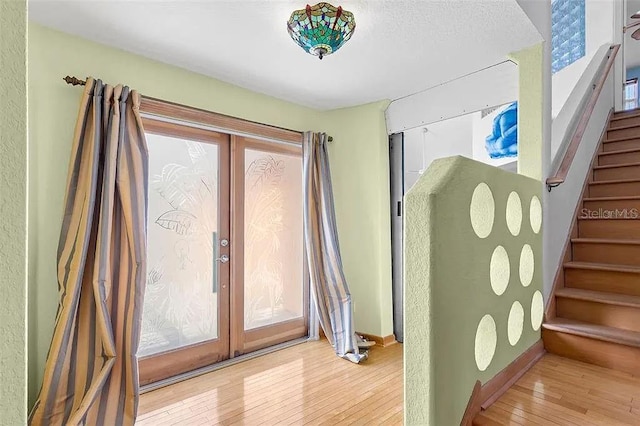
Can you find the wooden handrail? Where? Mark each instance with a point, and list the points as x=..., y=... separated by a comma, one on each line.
x=578, y=133
x=473, y=406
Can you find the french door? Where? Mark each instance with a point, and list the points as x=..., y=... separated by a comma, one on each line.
x=225, y=263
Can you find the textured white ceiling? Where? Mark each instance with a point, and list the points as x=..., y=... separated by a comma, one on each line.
x=398, y=48
x=631, y=46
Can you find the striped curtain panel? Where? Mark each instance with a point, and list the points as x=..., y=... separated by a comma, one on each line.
x=91, y=375
x=329, y=289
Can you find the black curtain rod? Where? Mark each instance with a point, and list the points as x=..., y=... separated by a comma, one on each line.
x=74, y=81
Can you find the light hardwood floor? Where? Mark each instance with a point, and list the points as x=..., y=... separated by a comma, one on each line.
x=303, y=384
x=560, y=391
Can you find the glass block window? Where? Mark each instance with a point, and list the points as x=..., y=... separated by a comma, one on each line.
x=567, y=33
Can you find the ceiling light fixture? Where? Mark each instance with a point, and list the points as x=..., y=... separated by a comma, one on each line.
x=321, y=29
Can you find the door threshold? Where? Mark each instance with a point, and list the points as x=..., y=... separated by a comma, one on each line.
x=222, y=364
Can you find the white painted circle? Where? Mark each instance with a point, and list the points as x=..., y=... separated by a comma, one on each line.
x=486, y=341
x=514, y=213
x=537, y=310
x=515, y=323
x=535, y=214
x=499, y=270
x=527, y=265
x=482, y=210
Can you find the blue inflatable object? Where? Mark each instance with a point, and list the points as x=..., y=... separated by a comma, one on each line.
x=503, y=141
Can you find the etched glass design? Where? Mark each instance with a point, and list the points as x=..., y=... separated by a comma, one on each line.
x=273, y=257
x=181, y=301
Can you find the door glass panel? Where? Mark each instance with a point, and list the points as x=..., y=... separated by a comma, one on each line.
x=181, y=300
x=273, y=254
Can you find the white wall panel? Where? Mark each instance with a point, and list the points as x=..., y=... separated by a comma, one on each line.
x=492, y=86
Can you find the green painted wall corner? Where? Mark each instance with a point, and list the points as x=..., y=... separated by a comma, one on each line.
x=449, y=256
x=13, y=210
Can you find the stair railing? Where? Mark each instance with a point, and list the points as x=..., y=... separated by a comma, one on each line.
x=576, y=137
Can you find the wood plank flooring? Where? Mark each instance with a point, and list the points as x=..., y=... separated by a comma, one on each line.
x=308, y=384
x=303, y=384
x=560, y=391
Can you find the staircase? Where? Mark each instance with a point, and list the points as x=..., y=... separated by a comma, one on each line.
x=597, y=308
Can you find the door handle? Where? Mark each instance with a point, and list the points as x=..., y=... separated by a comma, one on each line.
x=223, y=259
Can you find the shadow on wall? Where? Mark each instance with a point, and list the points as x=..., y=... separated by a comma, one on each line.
x=473, y=281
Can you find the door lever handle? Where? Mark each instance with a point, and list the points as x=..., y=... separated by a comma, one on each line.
x=223, y=259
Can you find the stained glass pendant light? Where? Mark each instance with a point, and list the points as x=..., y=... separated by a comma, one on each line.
x=321, y=29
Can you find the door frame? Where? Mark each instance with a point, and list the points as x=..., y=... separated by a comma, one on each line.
x=243, y=341
x=396, y=174
x=170, y=363
x=195, y=124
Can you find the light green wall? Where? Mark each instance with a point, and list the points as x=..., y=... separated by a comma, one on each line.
x=361, y=143
x=447, y=273
x=358, y=161
x=13, y=211
x=530, y=110
x=448, y=288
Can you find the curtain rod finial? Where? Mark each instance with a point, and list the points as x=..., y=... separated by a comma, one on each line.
x=74, y=81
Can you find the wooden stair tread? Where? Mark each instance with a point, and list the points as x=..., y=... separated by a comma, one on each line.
x=622, y=117
x=594, y=331
x=621, y=139
x=607, y=218
x=596, y=296
x=630, y=126
x=602, y=267
x=620, y=151
x=604, y=241
x=617, y=198
x=608, y=182
x=626, y=112
x=599, y=297
x=614, y=166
